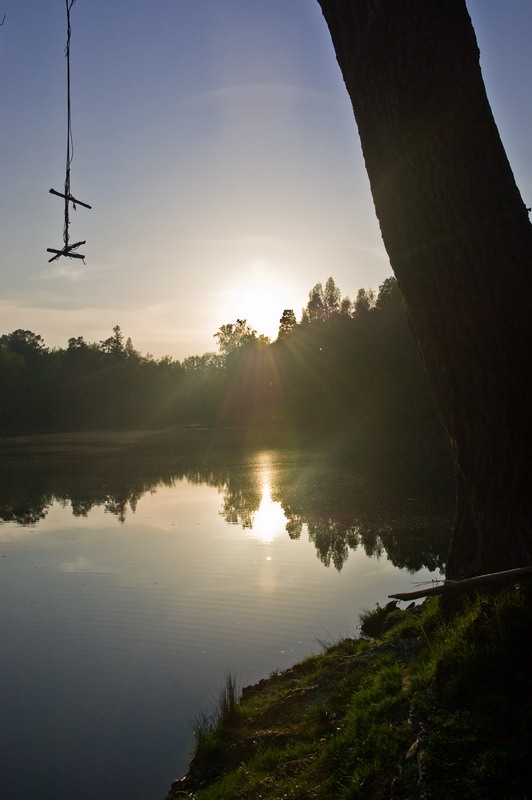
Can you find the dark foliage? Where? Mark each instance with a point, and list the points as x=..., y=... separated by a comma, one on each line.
x=349, y=368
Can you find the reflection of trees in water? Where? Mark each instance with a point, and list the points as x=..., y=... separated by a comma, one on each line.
x=341, y=513
x=27, y=495
x=22, y=507
x=241, y=487
x=408, y=545
x=117, y=501
x=242, y=498
x=116, y=486
x=338, y=511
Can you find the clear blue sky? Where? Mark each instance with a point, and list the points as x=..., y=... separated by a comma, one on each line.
x=215, y=141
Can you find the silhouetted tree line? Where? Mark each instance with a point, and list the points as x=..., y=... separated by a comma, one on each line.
x=85, y=386
x=349, y=366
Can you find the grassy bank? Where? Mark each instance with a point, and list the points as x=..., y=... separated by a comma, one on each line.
x=432, y=706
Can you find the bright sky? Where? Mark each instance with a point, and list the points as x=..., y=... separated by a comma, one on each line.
x=215, y=141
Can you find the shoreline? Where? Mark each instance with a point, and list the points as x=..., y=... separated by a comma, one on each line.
x=411, y=713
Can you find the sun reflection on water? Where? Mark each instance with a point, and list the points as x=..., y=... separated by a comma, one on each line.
x=269, y=520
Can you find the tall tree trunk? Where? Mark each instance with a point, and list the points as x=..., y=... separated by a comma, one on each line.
x=460, y=243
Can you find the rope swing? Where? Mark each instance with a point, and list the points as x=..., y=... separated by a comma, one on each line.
x=67, y=249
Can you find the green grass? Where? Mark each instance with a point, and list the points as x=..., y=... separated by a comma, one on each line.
x=433, y=707
x=209, y=728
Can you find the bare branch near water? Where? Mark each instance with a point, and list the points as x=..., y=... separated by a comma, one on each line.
x=491, y=579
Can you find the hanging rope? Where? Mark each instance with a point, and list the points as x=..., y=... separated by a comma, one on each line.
x=70, y=142
x=67, y=247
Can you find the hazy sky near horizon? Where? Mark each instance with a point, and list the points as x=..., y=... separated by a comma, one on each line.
x=216, y=143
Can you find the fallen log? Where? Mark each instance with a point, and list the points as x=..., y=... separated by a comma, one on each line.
x=506, y=576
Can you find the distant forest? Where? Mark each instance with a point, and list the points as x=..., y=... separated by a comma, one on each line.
x=345, y=366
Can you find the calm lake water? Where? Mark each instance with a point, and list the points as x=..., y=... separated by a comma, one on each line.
x=127, y=591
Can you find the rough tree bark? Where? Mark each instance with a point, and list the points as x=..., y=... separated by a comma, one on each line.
x=460, y=243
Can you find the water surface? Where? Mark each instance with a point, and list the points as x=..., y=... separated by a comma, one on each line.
x=126, y=594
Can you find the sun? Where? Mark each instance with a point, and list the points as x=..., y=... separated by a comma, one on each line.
x=259, y=294
x=262, y=307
